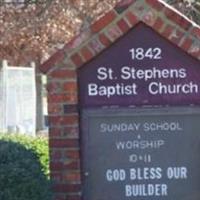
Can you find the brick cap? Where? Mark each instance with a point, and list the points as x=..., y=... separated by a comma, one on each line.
x=170, y=13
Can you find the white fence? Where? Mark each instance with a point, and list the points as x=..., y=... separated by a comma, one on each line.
x=17, y=99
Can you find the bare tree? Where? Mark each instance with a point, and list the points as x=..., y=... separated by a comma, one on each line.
x=191, y=8
x=33, y=30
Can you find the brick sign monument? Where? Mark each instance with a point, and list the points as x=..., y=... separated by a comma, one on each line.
x=123, y=100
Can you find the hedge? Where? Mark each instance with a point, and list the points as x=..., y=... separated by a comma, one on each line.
x=24, y=168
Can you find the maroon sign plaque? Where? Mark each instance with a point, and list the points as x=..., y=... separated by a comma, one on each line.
x=142, y=68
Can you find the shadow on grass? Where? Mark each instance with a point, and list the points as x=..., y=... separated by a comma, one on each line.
x=21, y=175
